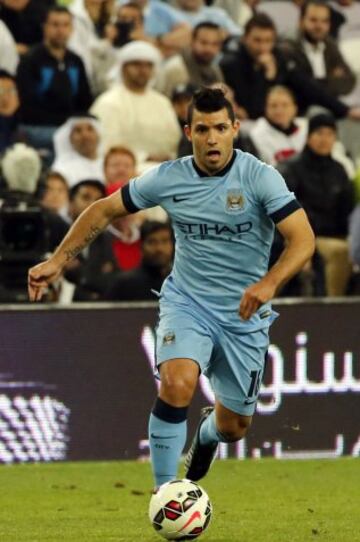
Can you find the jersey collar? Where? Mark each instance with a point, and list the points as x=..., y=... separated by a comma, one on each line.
x=220, y=173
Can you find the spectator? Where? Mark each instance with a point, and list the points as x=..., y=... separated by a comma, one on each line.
x=55, y=194
x=78, y=152
x=180, y=99
x=119, y=165
x=93, y=269
x=90, y=18
x=126, y=26
x=322, y=187
x=132, y=114
x=316, y=54
x=9, y=105
x=279, y=134
x=9, y=57
x=157, y=244
x=125, y=234
x=28, y=232
x=52, y=82
x=166, y=25
x=24, y=19
x=197, y=65
x=258, y=63
x=195, y=12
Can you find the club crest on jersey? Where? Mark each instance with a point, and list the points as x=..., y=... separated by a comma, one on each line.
x=169, y=338
x=235, y=201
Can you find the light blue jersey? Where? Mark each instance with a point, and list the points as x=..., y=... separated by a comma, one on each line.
x=224, y=227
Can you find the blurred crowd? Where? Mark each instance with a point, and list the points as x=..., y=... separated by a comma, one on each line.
x=95, y=92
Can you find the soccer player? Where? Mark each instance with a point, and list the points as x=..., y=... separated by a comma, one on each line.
x=214, y=306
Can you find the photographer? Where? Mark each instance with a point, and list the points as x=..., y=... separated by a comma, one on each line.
x=27, y=231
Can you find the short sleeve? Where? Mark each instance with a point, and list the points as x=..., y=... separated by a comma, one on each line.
x=274, y=195
x=142, y=192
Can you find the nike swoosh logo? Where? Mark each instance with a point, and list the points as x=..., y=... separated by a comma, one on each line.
x=177, y=199
x=195, y=515
x=160, y=437
x=250, y=402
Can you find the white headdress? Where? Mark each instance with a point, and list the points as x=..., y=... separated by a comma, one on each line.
x=62, y=143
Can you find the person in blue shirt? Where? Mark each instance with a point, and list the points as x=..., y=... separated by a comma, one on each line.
x=215, y=309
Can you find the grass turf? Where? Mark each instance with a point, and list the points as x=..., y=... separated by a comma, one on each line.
x=265, y=500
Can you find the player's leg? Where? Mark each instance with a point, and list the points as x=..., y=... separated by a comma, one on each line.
x=224, y=425
x=218, y=424
x=168, y=420
x=236, y=373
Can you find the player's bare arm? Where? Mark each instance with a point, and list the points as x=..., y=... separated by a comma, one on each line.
x=87, y=227
x=300, y=246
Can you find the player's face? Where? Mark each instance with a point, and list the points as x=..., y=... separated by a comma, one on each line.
x=322, y=140
x=316, y=23
x=280, y=109
x=212, y=137
x=84, y=138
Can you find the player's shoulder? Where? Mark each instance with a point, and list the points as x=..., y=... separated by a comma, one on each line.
x=250, y=165
x=255, y=174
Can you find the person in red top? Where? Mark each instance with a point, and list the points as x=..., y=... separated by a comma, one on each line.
x=119, y=168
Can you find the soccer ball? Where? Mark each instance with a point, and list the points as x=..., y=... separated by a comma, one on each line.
x=180, y=510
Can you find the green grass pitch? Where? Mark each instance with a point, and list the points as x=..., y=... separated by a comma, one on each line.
x=254, y=501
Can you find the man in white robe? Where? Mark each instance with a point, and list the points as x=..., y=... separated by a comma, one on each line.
x=133, y=114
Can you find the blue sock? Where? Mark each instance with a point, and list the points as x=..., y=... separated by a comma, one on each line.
x=208, y=431
x=167, y=437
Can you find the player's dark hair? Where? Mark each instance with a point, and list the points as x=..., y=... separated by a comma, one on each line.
x=153, y=226
x=206, y=24
x=210, y=100
x=318, y=3
x=94, y=183
x=56, y=9
x=259, y=20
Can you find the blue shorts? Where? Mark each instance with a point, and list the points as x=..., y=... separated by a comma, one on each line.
x=233, y=362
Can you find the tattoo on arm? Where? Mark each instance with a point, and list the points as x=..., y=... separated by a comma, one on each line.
x=70, y=253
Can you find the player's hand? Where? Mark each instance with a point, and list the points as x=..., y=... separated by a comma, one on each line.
x=254, y=296
x=40, y=277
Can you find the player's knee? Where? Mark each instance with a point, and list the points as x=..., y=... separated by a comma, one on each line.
x=234, y=429
x=176, y=390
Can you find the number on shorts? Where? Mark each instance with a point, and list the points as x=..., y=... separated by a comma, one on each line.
x=254, y=384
